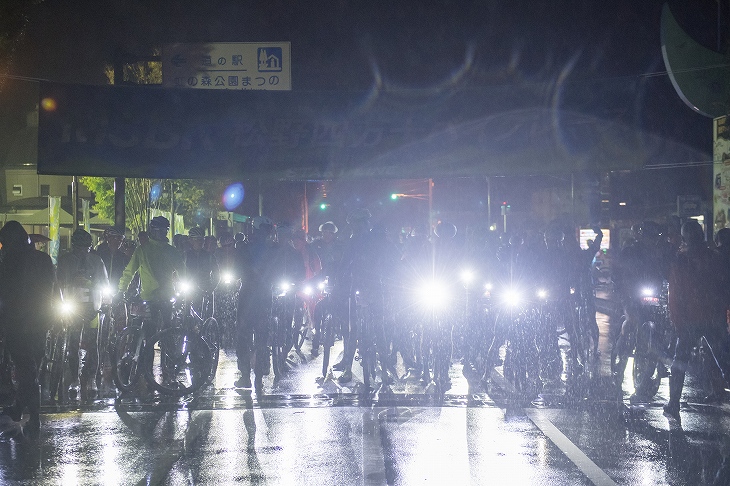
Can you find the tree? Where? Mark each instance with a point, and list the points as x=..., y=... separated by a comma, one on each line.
x=193, y=199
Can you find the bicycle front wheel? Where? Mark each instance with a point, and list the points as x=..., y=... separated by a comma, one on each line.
x=126, y=362
x=212, y=336
x=177, y=363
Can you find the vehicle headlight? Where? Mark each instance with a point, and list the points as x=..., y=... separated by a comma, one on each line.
x=227, y=278
x=542, y=294
x=322, y=285
x=108, y=291
x=308, y=290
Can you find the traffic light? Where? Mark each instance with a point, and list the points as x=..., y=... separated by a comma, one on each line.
x=394, y=196
x=323, y=206
x=506, y=208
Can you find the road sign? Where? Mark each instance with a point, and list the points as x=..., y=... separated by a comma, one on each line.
x=232, y=65
x=689, y=206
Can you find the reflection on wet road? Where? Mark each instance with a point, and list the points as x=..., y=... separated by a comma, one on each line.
x=299, y=432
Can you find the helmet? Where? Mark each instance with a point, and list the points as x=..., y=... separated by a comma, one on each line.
x=81, y=238
x=226, y=239
x=358, y=215
x=692, y=232
x=159, y=223
x=260, y=221
x=113, y=231
x=329, y=226
x=196, y=232
x=445, y=230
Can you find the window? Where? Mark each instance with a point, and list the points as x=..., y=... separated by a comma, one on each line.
x=17, y=190
x=45, y=189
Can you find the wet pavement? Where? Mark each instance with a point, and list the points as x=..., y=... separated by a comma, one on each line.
x=301, y=431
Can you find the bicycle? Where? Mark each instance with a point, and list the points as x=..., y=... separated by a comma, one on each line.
x=204, y=321
x=175, y=361
x=281, y=318
x=326, y=331
x=646, y=343
x=55, y=358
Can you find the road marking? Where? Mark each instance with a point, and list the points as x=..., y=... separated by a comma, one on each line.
x=594, y=473
x=589, y=468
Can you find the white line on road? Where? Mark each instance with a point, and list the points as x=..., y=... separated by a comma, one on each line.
x=594, y=473
x=577, y=456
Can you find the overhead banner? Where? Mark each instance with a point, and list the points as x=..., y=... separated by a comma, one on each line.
x=155, y=132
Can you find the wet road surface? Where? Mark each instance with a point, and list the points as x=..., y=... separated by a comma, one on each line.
x=299, y=431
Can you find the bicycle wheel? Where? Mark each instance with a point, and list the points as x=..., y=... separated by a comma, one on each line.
x=327, y=342
x=57, y=364
x=126, y=358
x=177, y=363
x=212, y=336
x=646, y=377
x=619, y=360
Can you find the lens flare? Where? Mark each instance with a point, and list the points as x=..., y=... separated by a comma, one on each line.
x=233, y=196
x=49, y=104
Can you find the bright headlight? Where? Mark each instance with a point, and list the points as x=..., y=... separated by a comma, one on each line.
x=108, y=291
x=512, y=297
x=308, y=290
x=322, y=285
x=542, y=293
x=284, y=288
x=467, y=276
x=66, y=308
x=433, y=293
x=185, y=286
x=647, y=292
x=227, y=278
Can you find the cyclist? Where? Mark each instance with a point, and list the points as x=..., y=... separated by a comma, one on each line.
x=640, y=264
x=254, y=303
x=200, y=266
x=698, y=303
x=82, y=277
x=329, y=249
x=226, y=295
x=362, y=271
x=112, y=254
x=26, y=289
x=157, y=262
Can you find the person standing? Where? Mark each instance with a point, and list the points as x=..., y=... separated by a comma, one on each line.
x=82, y=277
x=26, y=293
x=698, y=303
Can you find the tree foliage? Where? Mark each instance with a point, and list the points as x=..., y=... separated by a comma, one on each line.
x=195, y=200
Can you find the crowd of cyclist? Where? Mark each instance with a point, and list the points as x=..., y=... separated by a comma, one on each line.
x=378, y=274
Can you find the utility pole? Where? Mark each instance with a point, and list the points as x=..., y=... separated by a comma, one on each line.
x=120, y=219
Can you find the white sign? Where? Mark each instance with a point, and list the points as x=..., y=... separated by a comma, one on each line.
x=232, y=65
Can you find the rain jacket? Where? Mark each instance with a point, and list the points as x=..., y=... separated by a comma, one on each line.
x=156, y=262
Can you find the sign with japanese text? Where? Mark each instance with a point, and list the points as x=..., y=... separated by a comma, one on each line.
x=232, y=65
